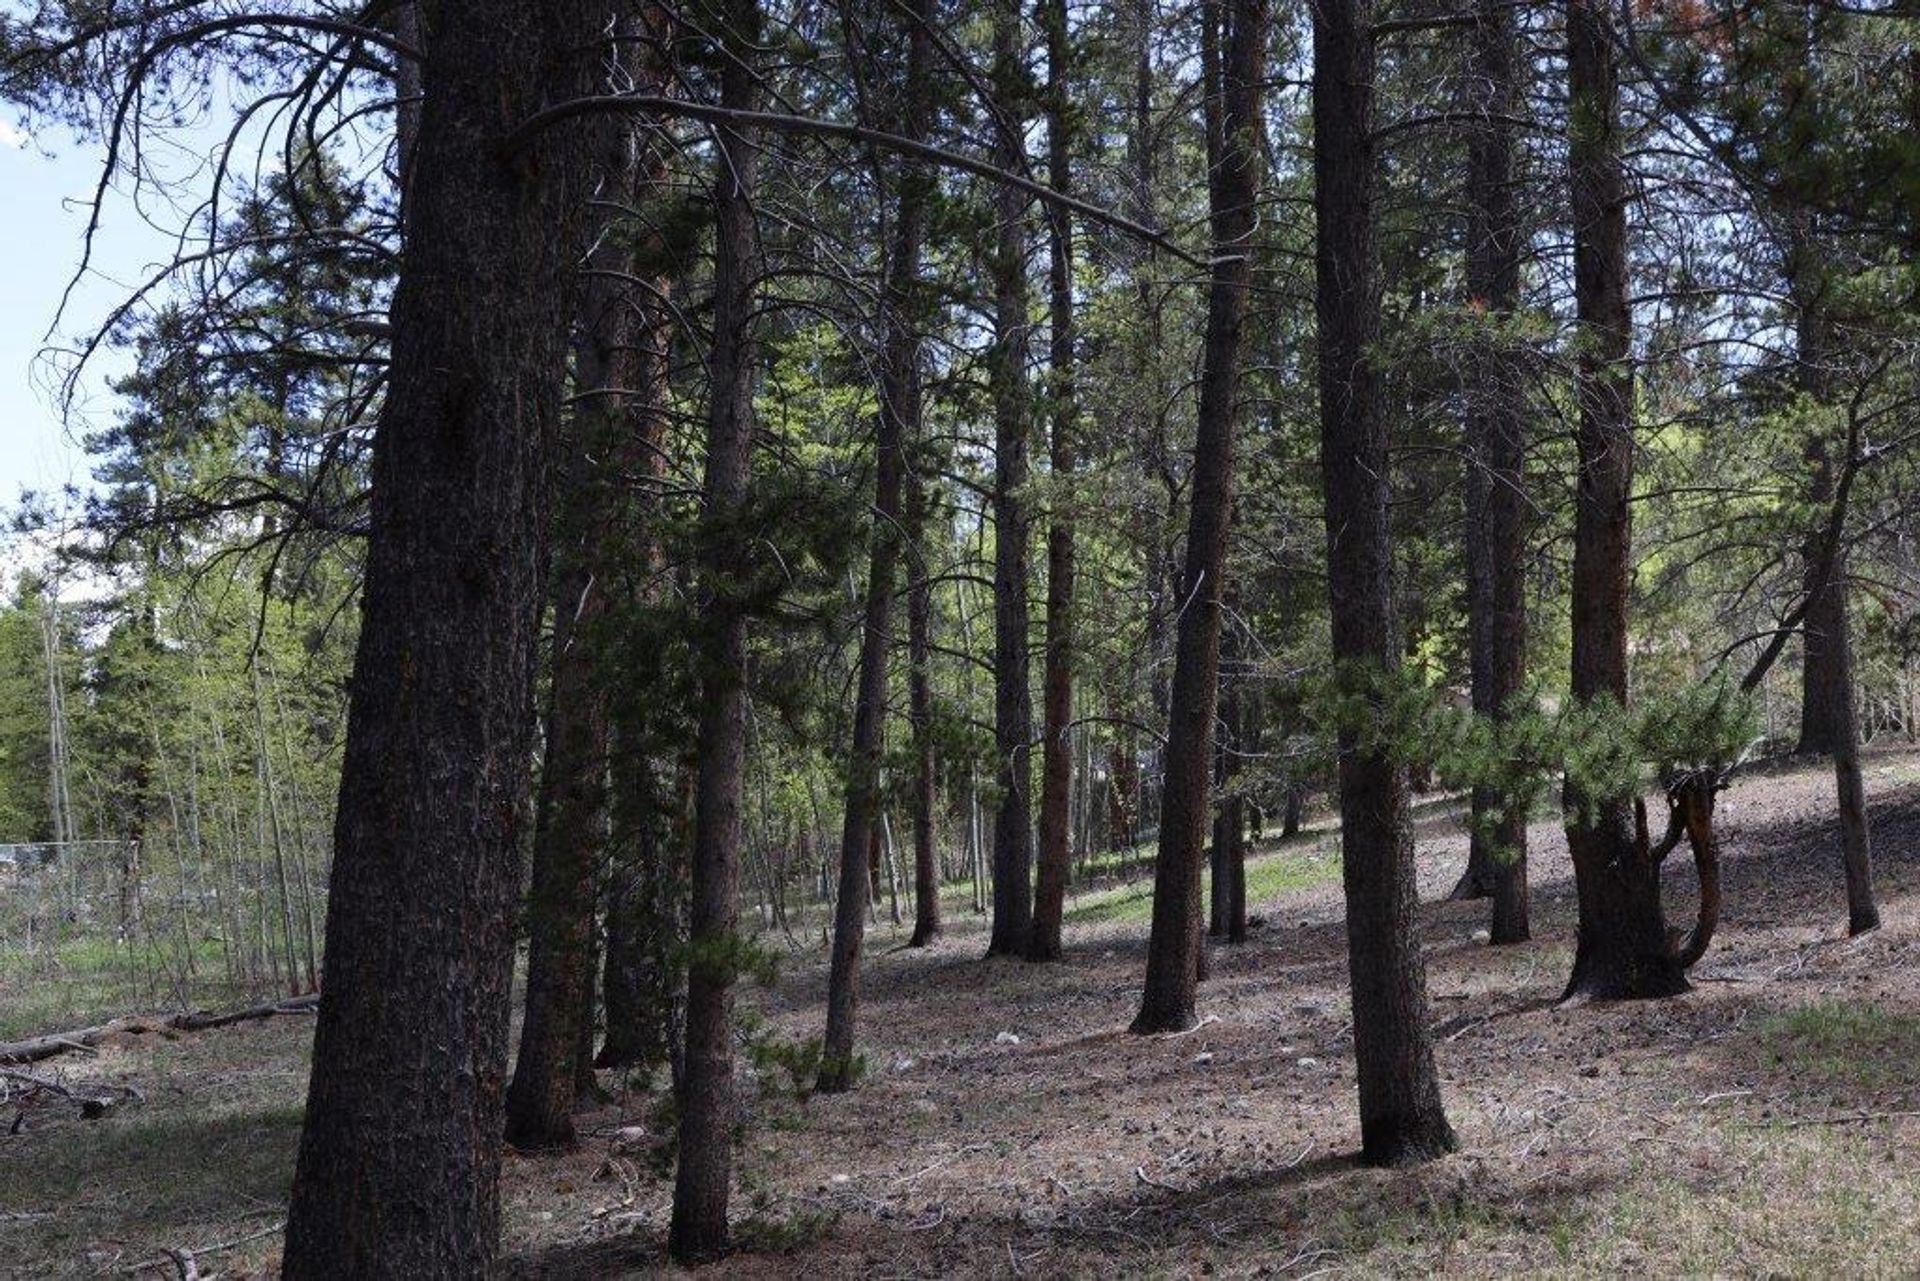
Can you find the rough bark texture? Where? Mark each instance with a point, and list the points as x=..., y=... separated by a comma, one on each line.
x=1496, y=462
x=646, y=876
x=1401, y=1117
x=1830, y=718
x=1174, y=948
x=398, y=1168
x=1012, y=411
x=1622, y=948
x=571, y=811
x=899, y=414
x=707, y=1094
x=1056, y=764
x=926, y=867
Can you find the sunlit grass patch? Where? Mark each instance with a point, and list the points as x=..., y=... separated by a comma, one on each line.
x=1843, y=1043
x=1295, y=867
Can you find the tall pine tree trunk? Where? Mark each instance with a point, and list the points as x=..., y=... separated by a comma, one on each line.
x=1622, y=948
x=1174, y=946
x=926, y=867
x=1830, y=720
x=398, y=1168
x=1401, y=1117
x=899, y=414
x=1496, y=460
x=571, y=811
x=646, y=876
x=1056, y=764
x=707, y=1093
x=1012, y=412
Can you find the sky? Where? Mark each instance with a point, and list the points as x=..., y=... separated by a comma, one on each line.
x=45, y=181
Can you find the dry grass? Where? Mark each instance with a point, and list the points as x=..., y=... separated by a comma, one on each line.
x=1763, y=1124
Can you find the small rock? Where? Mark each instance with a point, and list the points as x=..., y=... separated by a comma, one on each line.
x=1006, y=1038
x=1309, y=1062
x=1482, y=936
x=1203, y=1058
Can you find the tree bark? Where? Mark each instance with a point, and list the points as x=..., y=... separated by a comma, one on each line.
x=1056, y=765
x=1401, y=1117
x=1174, y=947
x=1830, y=719
x=571, y=812
x=1012, y=408
x=398, y=1168
x=1622, y=948
x=926, y=867
x=1496, y=462
x=899, y=414
x=646, y=878
x=707, y=1105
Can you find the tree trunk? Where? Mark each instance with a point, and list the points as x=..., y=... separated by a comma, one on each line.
x=1401, y=1117
x=707, y=1110
x=398, y=1169
x=1056, y=766
x=926, y=867
x=1829, y=719
x=899, y=413
x=1496, y=462
x=570, y=820
x=1830, y=655
x=1174, y=949
x=1622, y=948
x=1012, y=694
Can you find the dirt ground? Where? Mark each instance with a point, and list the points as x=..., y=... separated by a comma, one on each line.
x=1766, y=1123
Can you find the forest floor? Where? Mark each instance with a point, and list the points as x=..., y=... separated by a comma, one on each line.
x=1766, y=1123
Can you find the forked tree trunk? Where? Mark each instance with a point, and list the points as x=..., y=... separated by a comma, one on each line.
x=1622, y=949
x=1012, y=410
x=1174, y=948
x=398, y=1168
x=707, y=1096
x=1056, y=758
x=899, y=413
x=1401, y=1117
x=1496, y=463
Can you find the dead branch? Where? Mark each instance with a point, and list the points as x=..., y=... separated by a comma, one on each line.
x=35, y=1049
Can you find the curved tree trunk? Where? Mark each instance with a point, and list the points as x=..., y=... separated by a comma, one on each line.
x=1401, y=1117
x=398, y=1169
x=1174, y=948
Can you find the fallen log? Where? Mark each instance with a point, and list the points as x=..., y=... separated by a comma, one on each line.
x=34, y=1049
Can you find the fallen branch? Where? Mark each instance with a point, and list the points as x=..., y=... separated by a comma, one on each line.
x=1851, y=1118
x=34, y=1049
x=185, y=1263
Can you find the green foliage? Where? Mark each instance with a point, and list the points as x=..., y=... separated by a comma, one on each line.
x=1599, y=750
